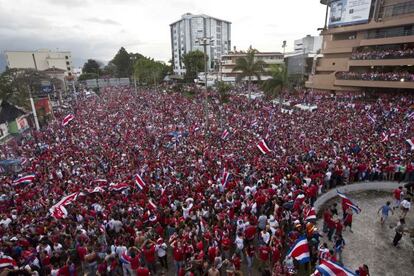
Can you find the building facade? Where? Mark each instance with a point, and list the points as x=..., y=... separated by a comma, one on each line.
x=228, y=62
x=308, y=45
x=40, y=60
x=187, y=32
x=367, y=45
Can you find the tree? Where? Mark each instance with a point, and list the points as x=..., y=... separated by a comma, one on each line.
x=109, y=70
x=91, y=66
x=223, y=88
x=194, y=63
x=148, y=71
x=275, y=86
x=14, y=84
x=249, y=67
x=88, y=76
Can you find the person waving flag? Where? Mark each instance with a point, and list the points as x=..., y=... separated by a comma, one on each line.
x=24, y=179
x=67, y=119
x=263, y=147
x=329, y=268
x=347, y=203
x=300, y=250
x=140, y=182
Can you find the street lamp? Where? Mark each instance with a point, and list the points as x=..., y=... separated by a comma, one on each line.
x=204, y=41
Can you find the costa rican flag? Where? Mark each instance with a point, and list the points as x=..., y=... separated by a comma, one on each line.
x=100, y=182
x=411, y=143
x=310, y=214
x=58, y=210
x=96, y=190
x=347, y=201
x=7, y=261
x=409, y=115
x=67, y=119
x=225, y=134
x=329, y=268
x=300, y=250
x=263, y=147
x=25, y=179
x=125, y=259
x=140, y=183
x=225, y=178
x=118, y=187
x=151, y=205
x=384, y=137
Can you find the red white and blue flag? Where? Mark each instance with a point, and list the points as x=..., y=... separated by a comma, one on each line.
x=348, y=202
x=263, y=147
x=225, y=134
x=67, y=119
x=25, y=179
x=329, y=268
x=140, y=182
x=96, y=190
x=411, y=143
x=151, y=205
x=7, y=261
x=225, y=178
x=310, y=214
x=300, y=250
x=58, y=211
x=118, y=187
x=100, y=182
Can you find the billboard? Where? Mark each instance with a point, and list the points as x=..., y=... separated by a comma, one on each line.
x=348, y=12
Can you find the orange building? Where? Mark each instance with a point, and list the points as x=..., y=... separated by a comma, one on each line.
x=367, y=45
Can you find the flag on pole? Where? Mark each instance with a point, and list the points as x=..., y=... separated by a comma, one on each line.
x=329, y=268
x=225, y=178
x=140, y=183
x=348, y=202
x=24, y=179
x=67, y=119
x=263, y=147
x=411, y=143
x=310, y=214
x=300, y=250
x=225, y=134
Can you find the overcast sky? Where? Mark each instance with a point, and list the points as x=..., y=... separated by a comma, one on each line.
x=98, y=28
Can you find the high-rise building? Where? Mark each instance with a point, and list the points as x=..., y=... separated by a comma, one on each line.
x=367, y=45
x=40, y=60
x=308, y=44
x=187, y=32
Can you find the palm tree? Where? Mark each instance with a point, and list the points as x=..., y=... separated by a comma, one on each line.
x=275, y=86
x=249, y=67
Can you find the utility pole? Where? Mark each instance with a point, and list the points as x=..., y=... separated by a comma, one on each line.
x=33, y=108
x=204, y=41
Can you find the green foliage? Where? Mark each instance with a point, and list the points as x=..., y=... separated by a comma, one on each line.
x=223, y=88
x=88, y=76
x=148, y=71
x=194, y=63
x=274, y=87
x=123, y=64
x=109, y=70
x=91, y=66
x=248, y=66
x=14, y=85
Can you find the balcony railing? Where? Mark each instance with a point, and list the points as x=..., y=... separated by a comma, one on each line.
x=376, y=76
x=383, y=54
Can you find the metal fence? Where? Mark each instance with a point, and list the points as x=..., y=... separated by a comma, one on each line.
x=94, y=83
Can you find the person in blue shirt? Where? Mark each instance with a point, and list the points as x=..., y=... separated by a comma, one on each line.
x=385, y=210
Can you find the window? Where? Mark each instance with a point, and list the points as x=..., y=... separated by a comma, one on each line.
x=68, y=68
x=67, y=62
x=66, y=57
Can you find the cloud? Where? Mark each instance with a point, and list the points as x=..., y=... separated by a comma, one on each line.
x=106, y=21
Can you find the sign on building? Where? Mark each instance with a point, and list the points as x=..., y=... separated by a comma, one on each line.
x=348, y=12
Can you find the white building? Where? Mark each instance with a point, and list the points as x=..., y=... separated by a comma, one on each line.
x=308, y=45
x=40, y=60
x=186, y=32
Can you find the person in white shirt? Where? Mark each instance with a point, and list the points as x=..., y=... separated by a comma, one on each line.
x=161, y=249
x=239, y=242
x=405, y=207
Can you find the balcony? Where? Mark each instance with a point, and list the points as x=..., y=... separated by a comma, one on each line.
x=370, y=83
x=387, y=40
x=382, y=62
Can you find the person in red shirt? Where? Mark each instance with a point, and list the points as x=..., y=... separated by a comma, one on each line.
x=264, y=256
x=397, y=196
x=363, y=270
x=143, y=271
x=250, y=257
x=148, y=249
x=225, y=246
x=250, y=233
x=178, y=254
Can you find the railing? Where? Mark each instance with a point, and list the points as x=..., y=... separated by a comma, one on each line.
x=383, y=54
x=387, y=34
x=376, y=76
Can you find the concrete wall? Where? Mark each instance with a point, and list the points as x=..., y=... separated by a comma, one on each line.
x=358, y=187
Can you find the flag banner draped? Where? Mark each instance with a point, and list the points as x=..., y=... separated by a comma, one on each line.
x=67, y=119
x=300, y=250
x=263, y=147
x=24, y=179
x=329, y=268
x=58, y=211
x=7, y=261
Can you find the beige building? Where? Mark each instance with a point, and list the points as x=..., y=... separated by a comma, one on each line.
x=367, y=45
x=228, y=62
x=40, y=60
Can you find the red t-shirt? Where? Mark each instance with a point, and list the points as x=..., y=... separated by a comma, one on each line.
x=264, y=252
x=178, y=254
x=250, y=232
x=143, y=271
x=397, y=194
x=149, y=254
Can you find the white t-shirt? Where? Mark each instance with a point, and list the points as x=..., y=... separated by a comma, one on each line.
x=406, y=204
x=239, y=243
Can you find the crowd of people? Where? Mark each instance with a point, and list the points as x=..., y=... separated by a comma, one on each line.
x=376, y=76
x=137, y=183
x=383, y=54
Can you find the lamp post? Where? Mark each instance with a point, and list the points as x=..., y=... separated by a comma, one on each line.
x=204, y=41
x=33, y=108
